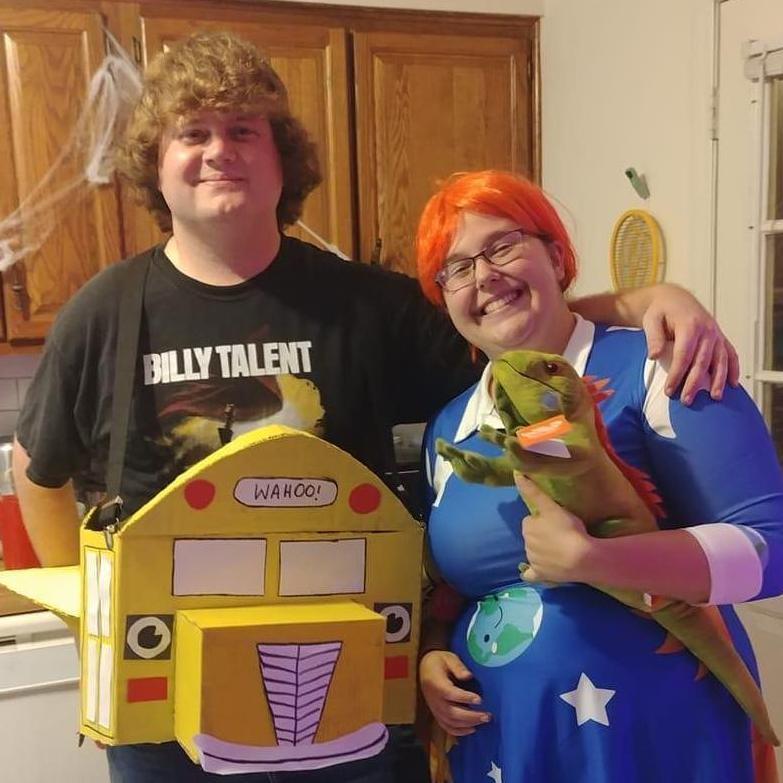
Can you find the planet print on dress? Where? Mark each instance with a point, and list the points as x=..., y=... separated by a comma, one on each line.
x=504, y=625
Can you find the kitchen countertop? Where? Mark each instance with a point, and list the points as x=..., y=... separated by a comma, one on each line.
x=11, y=603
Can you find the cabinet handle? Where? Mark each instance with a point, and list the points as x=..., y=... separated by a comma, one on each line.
x=21, y=297
x=137, y=51
x=375, y=256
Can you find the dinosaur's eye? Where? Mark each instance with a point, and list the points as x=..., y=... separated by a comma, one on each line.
x=551, y=367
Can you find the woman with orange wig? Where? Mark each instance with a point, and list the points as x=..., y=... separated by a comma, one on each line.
x=548, y=679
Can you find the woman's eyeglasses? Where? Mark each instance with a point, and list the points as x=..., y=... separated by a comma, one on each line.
x=501, y=251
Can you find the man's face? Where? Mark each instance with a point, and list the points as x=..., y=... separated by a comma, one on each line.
x=219, y=166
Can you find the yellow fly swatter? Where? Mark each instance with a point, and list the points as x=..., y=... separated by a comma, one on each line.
x=636, y=253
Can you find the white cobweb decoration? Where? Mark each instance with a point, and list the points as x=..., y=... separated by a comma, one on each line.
x=321, y=241
x=86, y=160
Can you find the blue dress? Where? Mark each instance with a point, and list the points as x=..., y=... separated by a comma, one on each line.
x=577, y=684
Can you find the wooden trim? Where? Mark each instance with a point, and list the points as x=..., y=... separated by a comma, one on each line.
x=366, y=185
x=535, y=99
x=105, y=205
x=85, y=6
x=124, y=23
x=341, y=154
x=357, y=17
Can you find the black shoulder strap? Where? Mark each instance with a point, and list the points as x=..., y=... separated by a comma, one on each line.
x=128, y=328
x=385, y=440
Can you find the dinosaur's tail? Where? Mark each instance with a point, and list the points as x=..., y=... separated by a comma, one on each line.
x=702, y=630
x=437, y=742
x=440, y=744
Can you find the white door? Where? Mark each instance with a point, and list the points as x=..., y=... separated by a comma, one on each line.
x=749, y=273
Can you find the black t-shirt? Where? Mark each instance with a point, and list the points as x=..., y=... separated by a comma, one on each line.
x=335, y=348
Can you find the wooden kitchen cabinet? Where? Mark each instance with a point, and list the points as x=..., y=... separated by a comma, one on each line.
x=428, y=105
x=47, y=58
x=432, y=93
x=395, y=100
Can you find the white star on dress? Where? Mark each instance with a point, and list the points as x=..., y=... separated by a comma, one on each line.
x=495, y=773
x=588, y=701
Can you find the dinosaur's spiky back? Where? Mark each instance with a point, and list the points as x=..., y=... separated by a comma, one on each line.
x=639, y=480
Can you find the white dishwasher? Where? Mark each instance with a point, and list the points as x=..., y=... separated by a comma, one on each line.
x=39, y=705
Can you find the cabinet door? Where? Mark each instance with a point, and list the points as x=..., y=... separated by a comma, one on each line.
x=311, y=62
x=428, y=105
x=46, y=61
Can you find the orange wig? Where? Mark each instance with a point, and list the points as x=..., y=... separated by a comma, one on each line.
x=489, y=193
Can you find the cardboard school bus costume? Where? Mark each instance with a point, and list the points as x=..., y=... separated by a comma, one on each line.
x=263, y=610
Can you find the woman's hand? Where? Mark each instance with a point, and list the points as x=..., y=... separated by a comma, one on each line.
x=559, y=549
x=702, y=356
x=557, y=544
x=453, y=707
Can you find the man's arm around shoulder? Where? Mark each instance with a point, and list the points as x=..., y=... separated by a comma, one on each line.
x=49, y=515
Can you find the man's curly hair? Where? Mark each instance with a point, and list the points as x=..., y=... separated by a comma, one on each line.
x=215, y=72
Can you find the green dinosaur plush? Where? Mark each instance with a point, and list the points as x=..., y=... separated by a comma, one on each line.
x=536, y=392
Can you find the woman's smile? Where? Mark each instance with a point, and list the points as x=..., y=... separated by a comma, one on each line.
x=501, y=302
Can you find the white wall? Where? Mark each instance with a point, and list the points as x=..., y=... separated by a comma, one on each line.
x=628, y=84
x=15, y=375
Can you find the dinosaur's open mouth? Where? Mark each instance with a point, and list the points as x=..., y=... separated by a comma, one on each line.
x=507, y=410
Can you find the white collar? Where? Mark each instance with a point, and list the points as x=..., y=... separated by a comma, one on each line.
x=481, y=407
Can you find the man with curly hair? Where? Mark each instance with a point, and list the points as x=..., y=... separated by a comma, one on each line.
x=235, y=315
